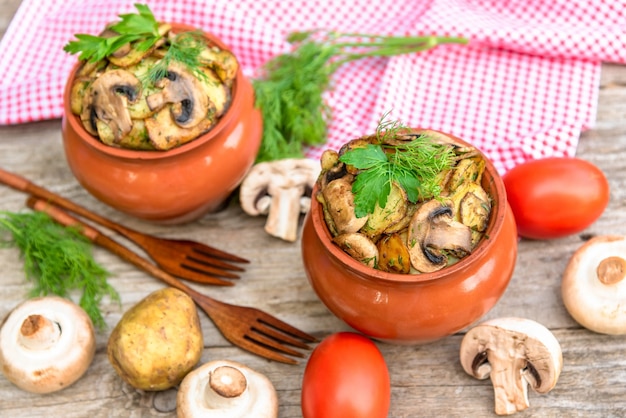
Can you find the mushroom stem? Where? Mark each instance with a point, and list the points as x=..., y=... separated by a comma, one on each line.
x=284, y=212
x=39, y=333
x=225, y=383
x=226, y=389
x=510, y=389
x=611, y=270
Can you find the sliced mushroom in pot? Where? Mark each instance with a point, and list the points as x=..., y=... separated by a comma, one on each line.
x=359, y=247
x=107, y=101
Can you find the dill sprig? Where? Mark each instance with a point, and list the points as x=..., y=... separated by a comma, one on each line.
x=57, y=261
x=289, y=92
x=414, y=165
x=184, y=48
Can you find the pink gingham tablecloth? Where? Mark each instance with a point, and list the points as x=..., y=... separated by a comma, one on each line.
x=524, y=88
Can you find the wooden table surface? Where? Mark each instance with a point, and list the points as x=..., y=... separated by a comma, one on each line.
x=426, y=380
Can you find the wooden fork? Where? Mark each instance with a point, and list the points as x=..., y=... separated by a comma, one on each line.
x=248, y=328
x=182, y=258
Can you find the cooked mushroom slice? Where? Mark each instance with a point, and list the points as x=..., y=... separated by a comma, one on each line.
x=189, y=103
x=221, y=61
x=165, y=134
x=467, y=169
x=226, y=389
x=332, y=168
x=422, y=259
x=393, y=254
x=359, y=247
x=340, y=206
x=80, y=87
x=276, y=188
x=593, y=286
x=107, y=101
x=475, y=208
x=447, y=236
x=384, y=218
x=217, y=92
x=46, y=344
x=513, y=352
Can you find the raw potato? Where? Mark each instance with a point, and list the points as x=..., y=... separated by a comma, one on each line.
x=157, y=342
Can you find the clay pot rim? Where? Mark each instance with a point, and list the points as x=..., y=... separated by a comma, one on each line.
x=495, y=225
x=131, y=154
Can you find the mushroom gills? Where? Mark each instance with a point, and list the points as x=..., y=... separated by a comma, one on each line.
x=107, y=101
x=514, y=353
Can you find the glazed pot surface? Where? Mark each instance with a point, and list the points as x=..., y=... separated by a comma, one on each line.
x=413, y=308
x=173, y=186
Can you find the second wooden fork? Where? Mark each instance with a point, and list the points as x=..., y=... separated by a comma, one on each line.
x=248, y=328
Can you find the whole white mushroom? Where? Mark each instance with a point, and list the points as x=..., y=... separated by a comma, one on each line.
x=593, y=286
x=226, y=389
x=46, y=344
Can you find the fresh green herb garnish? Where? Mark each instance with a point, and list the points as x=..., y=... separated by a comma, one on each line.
x=414, y=165
x=289, y=93
x=185, y=48
x=141, y=28
x=57, y=260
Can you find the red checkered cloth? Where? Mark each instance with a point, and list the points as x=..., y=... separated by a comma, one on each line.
x=525, y=87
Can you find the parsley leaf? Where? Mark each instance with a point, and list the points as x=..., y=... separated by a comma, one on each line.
x=141, y=28
x=414, y=165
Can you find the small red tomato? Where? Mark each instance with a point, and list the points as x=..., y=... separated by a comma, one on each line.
x=346, y=376
x=555, y=197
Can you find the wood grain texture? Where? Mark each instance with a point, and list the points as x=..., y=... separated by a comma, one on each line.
x=426, y=380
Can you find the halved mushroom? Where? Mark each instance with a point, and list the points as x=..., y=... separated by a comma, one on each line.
x=433, y=234
x=226, y=389
x=221, y=61
x=339, y=201
x=513, y=352
x=593, y=286
x=448, y=237
x=185, y=93
x=281, y=189
x=359, y=247
x=165, y=134
x=106, y=104
x=46, y=344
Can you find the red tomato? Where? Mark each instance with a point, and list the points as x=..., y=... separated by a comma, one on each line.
x=555, y=197
x=346, y=376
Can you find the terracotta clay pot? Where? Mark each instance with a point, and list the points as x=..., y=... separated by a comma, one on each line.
x=413, y=308
x=174, y=186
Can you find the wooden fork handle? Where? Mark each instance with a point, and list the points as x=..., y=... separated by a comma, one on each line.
x=18, y=182
x=98, y=238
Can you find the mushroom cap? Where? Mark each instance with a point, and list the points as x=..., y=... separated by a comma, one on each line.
x=256, y=396
x=105, y=106
x=276, y=188
x=592, y=288
x=513, y=352
x=265, y=177
x=59, y=362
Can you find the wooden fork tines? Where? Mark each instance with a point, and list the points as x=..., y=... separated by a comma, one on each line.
x=249, y=328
